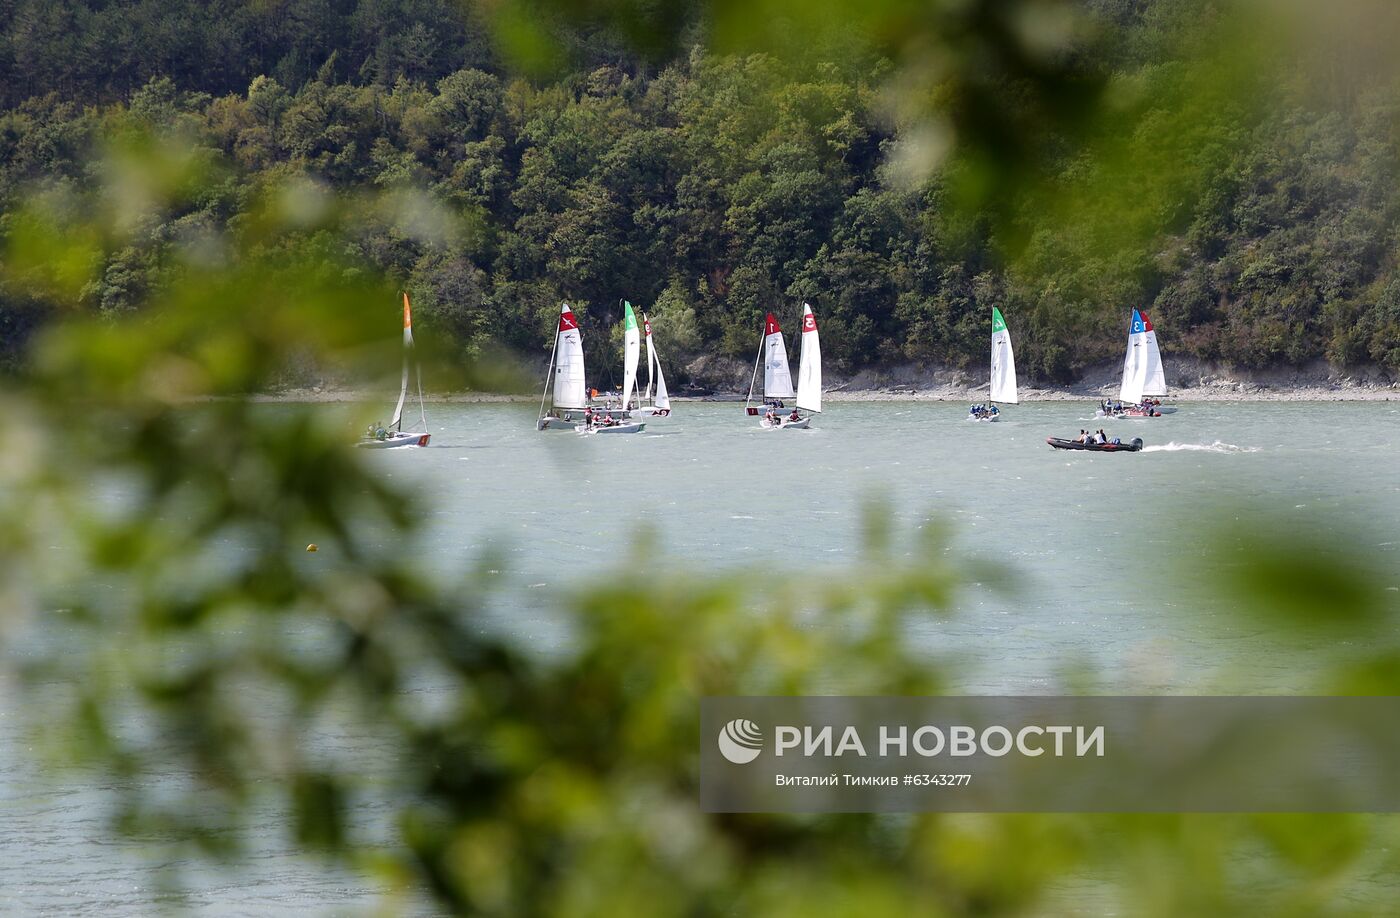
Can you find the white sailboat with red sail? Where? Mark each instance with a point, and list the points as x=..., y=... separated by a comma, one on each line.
x=1143, y=378
x=656, y=403
x=564, y=378
x=777, y=378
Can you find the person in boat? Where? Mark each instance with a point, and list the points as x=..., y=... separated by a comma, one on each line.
x=1082, y=435
x=794, y=416
x=1101, y=437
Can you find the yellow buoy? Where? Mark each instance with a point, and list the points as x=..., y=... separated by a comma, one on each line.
x=311, y=547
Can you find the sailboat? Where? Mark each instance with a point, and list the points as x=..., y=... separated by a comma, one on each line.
x=566, y=371
x=394, y=435
x=607, y=422
x=1003, y=376
x=658, y=405
x=1142, y=373
x=777, y=379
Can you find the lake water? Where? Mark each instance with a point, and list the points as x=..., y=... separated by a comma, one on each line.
x=1107, y=549
x=1111, y=554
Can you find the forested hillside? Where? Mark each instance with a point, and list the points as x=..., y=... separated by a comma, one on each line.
x=1252, y=211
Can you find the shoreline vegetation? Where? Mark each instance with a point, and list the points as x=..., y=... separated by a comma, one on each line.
x=863, y=388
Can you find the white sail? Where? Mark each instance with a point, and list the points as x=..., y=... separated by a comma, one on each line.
x=809, y=373
x=654, y=374
x=663, y=399
x=1154, y=380
x=397, y=421
x=1135, y=364
x=777, y=379
x=569, y=388
x=651, y=356
x=631, y=353
x=1003, y=362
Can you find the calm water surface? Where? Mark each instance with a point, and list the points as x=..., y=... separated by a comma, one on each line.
x=1110, y=554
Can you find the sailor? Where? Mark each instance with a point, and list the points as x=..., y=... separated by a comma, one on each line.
x=794, y=416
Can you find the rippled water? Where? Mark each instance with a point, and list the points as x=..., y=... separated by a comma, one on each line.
x=1109, y=553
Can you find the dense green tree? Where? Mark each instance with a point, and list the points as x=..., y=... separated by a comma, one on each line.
x=1253, y=211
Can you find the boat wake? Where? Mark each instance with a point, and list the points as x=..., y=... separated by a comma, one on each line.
x=1216, y=447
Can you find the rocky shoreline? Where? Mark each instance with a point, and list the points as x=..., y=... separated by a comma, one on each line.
x=1189, y=381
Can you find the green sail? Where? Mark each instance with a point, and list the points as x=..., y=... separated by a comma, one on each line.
x=998, y=323
x=629, y=318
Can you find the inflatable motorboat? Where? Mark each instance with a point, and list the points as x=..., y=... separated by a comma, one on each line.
x=1131, y=446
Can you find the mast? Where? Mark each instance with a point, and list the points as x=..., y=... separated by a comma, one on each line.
x=762, y=339
x=549, y=371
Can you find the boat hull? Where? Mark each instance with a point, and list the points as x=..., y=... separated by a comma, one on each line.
x=1156, y=412
x=568, y=422
x=634, y=427
x=649, y=412
x=785, y=424
x=1132, y=446
x=394, y=440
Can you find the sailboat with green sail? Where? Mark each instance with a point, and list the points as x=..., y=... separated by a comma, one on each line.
x=1003, y=373
x=621, y=422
